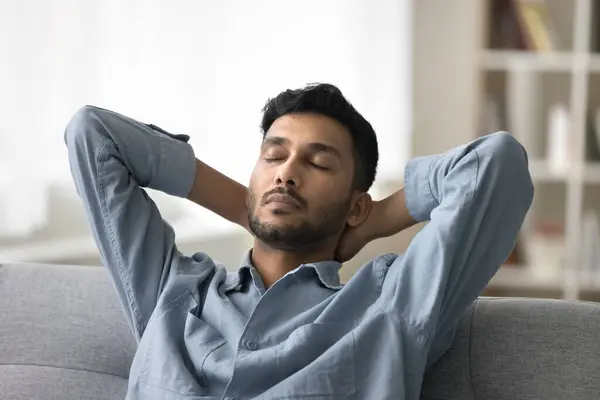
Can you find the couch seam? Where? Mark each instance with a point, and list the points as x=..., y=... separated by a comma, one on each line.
x=469, y=356
x=65, y=368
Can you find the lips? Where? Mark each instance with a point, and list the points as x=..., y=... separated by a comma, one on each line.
x=283, y=198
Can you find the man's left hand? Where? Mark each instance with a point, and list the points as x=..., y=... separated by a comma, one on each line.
x=355, y=238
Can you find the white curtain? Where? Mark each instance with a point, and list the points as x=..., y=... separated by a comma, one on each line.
x=197, y=67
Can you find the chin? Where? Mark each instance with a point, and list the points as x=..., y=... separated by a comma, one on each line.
x=281, y=220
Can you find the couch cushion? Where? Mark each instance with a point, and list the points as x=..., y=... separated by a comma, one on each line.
x=62, y=317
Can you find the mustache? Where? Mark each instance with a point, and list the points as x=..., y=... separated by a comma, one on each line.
x=284, y=191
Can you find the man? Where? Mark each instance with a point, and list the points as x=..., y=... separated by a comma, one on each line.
x=282, y=326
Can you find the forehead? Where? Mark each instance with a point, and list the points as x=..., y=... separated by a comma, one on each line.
x=304, y=128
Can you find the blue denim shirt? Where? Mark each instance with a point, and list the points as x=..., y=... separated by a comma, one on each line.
x=206, y=333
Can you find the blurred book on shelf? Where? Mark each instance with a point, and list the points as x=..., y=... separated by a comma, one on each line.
x=540, y=34
x=505, y=28
x=592, y=137
x=595, y=27
x=522, y=25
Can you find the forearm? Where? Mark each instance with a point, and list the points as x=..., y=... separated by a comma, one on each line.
x=390, y=216
x=219, y=194
x=428, y=180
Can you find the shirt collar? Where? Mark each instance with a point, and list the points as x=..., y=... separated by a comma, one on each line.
x=327, y=272
x=236, y=281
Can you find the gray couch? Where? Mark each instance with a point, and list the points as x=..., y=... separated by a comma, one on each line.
x=63, y=336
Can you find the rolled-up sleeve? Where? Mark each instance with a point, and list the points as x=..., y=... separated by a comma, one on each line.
x=475, y=198
x=111, y=158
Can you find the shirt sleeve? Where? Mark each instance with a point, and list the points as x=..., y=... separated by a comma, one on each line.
x=475, y=198
x=111, y=158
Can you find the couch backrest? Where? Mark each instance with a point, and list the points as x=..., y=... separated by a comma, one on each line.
x=63, y=336
x=526, y=349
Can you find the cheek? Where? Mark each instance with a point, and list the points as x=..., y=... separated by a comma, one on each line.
x=328, y=187
x=255, y=177
x=330, y=195
x=258, y=185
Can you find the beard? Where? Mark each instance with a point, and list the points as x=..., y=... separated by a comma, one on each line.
x=329, y=221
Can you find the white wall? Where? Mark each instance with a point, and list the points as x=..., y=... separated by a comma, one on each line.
x=203, y=68
x=446, y=73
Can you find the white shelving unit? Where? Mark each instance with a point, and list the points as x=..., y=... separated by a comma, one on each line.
x=576, y=64
x=501, y=60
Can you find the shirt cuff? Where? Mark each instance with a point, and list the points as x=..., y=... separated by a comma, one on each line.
x=176, y=167
x=417, y=188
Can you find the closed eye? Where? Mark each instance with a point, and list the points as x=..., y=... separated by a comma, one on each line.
x=317, y=166
x=273, y=159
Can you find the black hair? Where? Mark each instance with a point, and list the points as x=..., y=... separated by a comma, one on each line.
x=326, y=99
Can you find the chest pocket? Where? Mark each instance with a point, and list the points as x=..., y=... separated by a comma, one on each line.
x=319, y=362
x=174, y=349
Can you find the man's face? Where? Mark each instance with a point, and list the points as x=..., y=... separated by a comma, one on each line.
x=300, y=188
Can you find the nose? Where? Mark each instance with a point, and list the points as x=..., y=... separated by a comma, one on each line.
x=288, y=173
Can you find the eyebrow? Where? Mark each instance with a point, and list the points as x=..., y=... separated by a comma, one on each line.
x=316, y=147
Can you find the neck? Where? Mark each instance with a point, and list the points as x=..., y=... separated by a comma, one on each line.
x=272, y=264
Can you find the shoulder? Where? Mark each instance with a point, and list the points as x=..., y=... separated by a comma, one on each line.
x=192, y=274
x=374, y=271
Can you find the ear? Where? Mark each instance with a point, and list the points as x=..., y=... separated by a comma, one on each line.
x=360, y=209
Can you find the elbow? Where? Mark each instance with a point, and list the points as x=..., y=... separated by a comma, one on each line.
x=509, y=151
x=85, y=137
x=508, y=158
x=82, y=126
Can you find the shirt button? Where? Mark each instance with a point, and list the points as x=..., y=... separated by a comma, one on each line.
x=251, y=345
